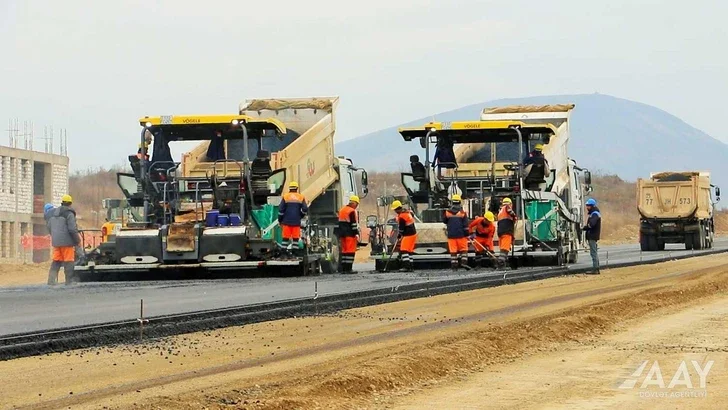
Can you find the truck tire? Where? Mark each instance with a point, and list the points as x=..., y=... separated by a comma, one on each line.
x=689, y=241
x=699, y=239
x=648, y=243
x=644, y=243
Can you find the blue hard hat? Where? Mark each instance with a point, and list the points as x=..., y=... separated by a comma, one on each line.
x=591, y=202
x=47, y=207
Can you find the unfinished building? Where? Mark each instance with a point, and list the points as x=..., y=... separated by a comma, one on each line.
x=28, y=180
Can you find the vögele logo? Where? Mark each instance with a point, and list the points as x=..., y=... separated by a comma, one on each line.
x=688, y=380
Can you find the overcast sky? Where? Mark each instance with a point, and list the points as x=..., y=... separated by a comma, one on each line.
x=95, y=67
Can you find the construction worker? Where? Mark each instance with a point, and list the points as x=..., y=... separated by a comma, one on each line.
x=348, y=234
x=407, y=235
x=593, y=230
x=535, y=169
x=482, y=230
x=140, y=153
x=457, y=233
x=107, y=229
x=506, y=227
x=64, y=239
x=290, y=212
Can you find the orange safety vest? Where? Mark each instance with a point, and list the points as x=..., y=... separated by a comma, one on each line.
x=348, y=222
x=406, y=223
x=482, y=229
x=506, y=221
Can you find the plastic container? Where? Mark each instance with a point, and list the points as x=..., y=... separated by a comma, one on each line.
x=234, y=220
x=223, y=220
x=211, y=217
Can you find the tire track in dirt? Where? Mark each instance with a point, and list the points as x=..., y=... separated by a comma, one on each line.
x=402, y=333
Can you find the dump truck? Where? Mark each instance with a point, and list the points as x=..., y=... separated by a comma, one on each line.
x=216, y=210
x=488, y=166
x=306, y=152
x=676, y=207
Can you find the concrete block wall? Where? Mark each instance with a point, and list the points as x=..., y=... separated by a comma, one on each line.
x=16, y=185
x=59, y=182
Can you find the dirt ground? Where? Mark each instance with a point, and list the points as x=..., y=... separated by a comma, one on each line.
x=559, y=342
x=28, y=274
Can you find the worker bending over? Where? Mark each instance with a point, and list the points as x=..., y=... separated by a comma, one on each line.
x=482, y=230
x=348, y=234
x=506, y=227
x=407, y=235
x=457, y=234
x=290, y=213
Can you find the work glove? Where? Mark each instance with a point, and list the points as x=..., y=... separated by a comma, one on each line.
x=399, y=236
x=472, y=236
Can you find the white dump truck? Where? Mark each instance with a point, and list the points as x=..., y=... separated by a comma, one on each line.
x=217, y=209
x=486, y=167
x=306, y=152
x=676, y=207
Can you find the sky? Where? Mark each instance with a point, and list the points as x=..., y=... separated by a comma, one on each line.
x=95, y=67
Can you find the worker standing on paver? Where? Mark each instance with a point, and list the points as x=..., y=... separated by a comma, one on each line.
x=107, y=229
x=348, y=234
x=593, y=230
x=457, y=233
x=64, y=239
x=290, y=213
x=482, y=230
x=407, y=235
x=506, y=228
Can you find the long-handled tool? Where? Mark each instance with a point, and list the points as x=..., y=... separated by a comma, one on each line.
x=487, y=251
x=399, y=238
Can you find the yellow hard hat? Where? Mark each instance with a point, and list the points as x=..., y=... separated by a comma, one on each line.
x=489, y=216
x=354, y=198
x=293, y=184
x=456, y=198
x=538, y=147
x=507, y=201
x=67, y=198
x=396, y=204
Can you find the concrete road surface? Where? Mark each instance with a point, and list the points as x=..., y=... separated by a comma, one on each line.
x=40, y=307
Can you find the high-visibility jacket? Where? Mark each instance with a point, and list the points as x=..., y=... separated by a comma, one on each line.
x=348, y=222
x=406, y=224
x=106, y=230
x=292, y=209
x=506, y=221
x=457, y=223
x=482, y=228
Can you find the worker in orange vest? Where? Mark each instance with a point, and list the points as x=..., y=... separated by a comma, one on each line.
x=348, y=234
x=407, y=235
x=457, y=234
x=291, y=211
x=482, y=230
x=506, y=227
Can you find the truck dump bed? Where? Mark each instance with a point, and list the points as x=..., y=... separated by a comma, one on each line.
x=675, y=195
x=306, y=151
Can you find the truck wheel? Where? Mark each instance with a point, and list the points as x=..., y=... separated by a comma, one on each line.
x=645, y=243
x=689, y=241
x=699, y=239
x=573, y=257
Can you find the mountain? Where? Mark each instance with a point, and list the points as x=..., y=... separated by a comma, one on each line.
x=608, y=135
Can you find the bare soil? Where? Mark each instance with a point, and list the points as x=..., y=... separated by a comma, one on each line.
x=408, y=354
x=24, y=274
